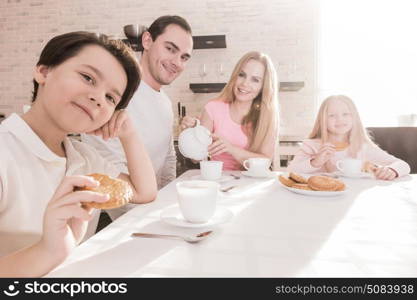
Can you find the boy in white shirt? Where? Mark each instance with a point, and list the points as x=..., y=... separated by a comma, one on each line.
x=82, y=82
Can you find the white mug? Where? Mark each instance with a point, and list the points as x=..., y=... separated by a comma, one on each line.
x=211, y=169
x=257, y=165
x=197, y=199
x=349, y=166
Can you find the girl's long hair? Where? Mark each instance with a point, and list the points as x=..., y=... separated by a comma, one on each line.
x=357, y=136
x=262, y=117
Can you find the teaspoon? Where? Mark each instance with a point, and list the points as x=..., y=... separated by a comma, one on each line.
x=191, y=239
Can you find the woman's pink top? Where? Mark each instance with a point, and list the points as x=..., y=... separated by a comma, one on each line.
x=225, y=127
x=302, y=160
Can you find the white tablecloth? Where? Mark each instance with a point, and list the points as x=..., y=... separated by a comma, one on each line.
x=370, y=231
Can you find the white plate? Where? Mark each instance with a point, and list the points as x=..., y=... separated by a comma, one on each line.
x=359, y=175
x=265, y=175
x=224, y=178
x=174, y=217
x=314, y=193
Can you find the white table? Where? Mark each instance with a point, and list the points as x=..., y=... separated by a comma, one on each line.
x=371, y=231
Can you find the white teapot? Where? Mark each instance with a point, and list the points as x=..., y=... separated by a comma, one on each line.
x=193, y=142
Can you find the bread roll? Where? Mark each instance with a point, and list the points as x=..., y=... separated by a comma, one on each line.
x=119, y=191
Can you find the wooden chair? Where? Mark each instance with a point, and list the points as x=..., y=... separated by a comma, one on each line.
x=398, y=141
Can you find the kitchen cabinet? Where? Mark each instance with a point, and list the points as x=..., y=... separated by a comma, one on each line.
x=199, y=88
x=290, y=86
x=285, y=86
x=209, y=41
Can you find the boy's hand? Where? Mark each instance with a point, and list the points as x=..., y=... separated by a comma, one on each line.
x=120, y=125
x=65, y=220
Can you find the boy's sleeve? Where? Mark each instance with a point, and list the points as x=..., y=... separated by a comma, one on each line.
x=111, y=151
x=109, y=167
x=98, y=163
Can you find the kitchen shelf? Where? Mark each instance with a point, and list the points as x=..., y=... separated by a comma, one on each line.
x=199, y=42
x=199, y=88
x=209, y=41
x=290, y=86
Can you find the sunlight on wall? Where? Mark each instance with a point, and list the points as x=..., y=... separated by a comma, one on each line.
x=368, y=51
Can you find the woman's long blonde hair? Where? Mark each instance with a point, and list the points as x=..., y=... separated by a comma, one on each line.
x=357, y=135
x=263, y=114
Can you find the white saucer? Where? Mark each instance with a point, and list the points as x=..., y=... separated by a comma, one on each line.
x=357, y=175
x=173, y=216
x=224, y=178
x=265, y=175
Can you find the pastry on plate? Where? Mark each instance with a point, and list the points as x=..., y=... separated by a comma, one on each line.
x=325, y=183
x=286, y=181
x=297, y=178
x=313, y=183
x=302, y=186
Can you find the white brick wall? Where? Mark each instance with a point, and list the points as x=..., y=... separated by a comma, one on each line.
x=285, y=29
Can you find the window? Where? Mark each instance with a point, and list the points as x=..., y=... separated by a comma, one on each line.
x=368, y=51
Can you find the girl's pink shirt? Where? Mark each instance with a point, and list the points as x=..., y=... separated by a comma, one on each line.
x=224, y=126
x=302, y=159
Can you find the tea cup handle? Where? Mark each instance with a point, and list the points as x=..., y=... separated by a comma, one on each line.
x=339, y=165
x=244, y=164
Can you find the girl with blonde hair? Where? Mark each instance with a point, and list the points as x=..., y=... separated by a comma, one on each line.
x=243, y=119
x=338, y=134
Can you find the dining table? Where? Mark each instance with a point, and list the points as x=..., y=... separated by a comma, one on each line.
x=369, y=230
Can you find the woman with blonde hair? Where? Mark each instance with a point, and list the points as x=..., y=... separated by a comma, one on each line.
x=338, y=134
x=243, y=119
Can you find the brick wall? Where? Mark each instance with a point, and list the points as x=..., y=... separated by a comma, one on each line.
x=284, y=29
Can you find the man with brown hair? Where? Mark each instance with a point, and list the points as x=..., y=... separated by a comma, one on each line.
x=167, y=46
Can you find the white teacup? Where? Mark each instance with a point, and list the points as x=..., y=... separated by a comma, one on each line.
x=197, y=199
x=211, y=169
x=257, y=165
x=350, y=166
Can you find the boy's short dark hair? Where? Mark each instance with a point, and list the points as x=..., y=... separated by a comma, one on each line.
x=62, y=47
x=158, y=26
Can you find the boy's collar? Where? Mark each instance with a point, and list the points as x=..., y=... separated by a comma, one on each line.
x=24, y=133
